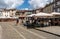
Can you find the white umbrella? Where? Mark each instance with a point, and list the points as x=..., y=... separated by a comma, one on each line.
x=43, y=14
x=55, y=13
x=31, y=15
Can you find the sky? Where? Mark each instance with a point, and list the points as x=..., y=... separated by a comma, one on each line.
x=24, y=4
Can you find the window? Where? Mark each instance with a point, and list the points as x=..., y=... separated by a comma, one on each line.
x=54, y=5
x=28, y=13
x=58, y=3
x=1, y=14
x=58, y=9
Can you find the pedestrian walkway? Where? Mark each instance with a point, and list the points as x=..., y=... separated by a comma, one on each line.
x=10, y=31
x=51, y=29
x=0, y=32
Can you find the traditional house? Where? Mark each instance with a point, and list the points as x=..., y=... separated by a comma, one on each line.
x=7, y=12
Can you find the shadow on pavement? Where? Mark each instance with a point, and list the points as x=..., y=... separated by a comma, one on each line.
x=48, y=32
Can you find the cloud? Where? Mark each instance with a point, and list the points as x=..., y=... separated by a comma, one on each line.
x=10, y=3
x=39, y=3
x=26, y=9
x=2, y=4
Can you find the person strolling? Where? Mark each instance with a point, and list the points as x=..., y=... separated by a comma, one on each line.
x=17, y=21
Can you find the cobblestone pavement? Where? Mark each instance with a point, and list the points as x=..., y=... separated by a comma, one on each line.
x=11, y=31
x=52, y=29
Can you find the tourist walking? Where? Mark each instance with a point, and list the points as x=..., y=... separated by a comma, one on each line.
x=17, y=21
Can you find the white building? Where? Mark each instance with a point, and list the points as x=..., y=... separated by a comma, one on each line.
x=4, y=13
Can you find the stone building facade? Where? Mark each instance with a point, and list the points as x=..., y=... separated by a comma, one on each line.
x=56, y=7
x=52, y=7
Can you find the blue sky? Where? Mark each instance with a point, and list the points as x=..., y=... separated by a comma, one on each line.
x=23, y=4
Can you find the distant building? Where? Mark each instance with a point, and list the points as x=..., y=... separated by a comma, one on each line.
x=48, y=8
x=38, y=10
x=52, y=7
x=12, y=12
x=7, y=12
x=24, y=13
